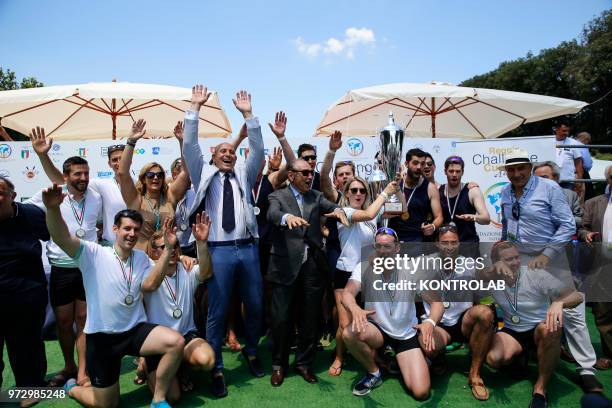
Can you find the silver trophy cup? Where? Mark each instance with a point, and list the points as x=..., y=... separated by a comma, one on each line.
x=391, y=143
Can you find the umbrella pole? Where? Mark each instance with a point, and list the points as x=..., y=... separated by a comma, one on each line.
x=433, y=117
x=114, y=118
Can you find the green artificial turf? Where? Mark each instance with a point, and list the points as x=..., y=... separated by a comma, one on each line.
x=245, y=391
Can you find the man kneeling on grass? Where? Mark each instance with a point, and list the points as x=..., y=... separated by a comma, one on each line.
x=464, y=320
x=389, y=319
x=172, y=305
x=114, y=279
x=533, y=304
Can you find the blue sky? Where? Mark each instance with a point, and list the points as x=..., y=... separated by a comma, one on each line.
x=295, y=56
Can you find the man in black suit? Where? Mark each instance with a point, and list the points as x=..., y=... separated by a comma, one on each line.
x=296, y=243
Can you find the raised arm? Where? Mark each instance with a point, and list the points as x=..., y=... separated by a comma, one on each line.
x=279, y=128
x=130, y=195
x=327, y=187
x=53, y=198
x=373, y=209
x=178, y=188
x=41, y=145
x=200, y=230
x=274, y=163
x=156, y=276
x=436, y=208
x=191, y=148
x=256, y=145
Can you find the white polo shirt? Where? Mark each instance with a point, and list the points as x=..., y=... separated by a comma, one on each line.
x=88, y=209
x=536, y=288
x=106, y=288
x=565, y=158
x=160, y=305
x=396, y=317
x=112, y=203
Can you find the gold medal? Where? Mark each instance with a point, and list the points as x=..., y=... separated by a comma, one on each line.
x=405, y=216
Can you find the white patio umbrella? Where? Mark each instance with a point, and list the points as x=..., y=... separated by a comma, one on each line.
x=440, y=110
x=105, y=110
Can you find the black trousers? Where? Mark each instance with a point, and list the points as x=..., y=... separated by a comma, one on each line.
x=22, y=318
x=307, y=291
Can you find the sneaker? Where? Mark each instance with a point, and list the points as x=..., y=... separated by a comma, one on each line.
x=367, y=384
x=160, y=404
x=538, y=401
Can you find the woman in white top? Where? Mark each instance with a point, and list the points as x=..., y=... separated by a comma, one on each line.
x=361, y=213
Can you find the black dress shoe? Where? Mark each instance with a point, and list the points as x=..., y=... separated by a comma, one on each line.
x=219, y=388
x=307, y=374
x=278, y=376
x=590, y=384
x=254, y=364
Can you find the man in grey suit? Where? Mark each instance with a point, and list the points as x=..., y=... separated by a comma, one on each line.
x=223, y=190
x=293, y=270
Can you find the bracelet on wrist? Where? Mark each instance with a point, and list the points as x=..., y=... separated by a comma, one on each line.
x=131, y=143
x=280, y=139
x=430, y=320
x=384, y=195
x=271, y=169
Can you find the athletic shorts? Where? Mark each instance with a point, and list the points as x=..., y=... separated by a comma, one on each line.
x=396, y=344
x=65, y=286
x=153, y=361
x=104, y=352
x=341, y=278
x=525, y=339
x=455, y=330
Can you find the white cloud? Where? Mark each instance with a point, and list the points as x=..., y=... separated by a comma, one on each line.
x=353, y=39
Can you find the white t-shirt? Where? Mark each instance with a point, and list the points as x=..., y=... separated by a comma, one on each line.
x=397, y=316
x=352, y=239
x=456, y=308
x=160, y=304
x=565, y=158
x=536, y=288
x=112, y=203
x=70, y=209
x=106, y=288
x=182, y=217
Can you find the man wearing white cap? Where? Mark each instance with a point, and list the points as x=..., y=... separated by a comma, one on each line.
x=537, y=218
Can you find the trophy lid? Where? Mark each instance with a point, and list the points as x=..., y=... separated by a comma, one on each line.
x=391, y=126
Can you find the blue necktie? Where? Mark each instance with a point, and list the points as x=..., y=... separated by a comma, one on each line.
x=229, y=222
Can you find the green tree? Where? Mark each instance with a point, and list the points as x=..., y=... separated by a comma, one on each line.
x=8, y=82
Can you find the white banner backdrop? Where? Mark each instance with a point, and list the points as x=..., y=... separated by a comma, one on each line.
x=20, y=164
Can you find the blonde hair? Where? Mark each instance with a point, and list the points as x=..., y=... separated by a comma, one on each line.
x=140, y=184
x=344, y=201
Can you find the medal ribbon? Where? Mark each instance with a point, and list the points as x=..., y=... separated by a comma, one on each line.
x=256, y=194
x=128, y=279
x=514, y=306
x=173, y=294
x=452, y=214
x=79, y=218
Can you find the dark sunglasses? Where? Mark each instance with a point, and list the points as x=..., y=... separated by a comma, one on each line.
x=152, y=174
x=386, y=231
x=309, y=158
x=162, y=246
x=355, y=190
x=516, y=210
x=446, y=228
x=429, y=164
x=115, y=148
x=304, y=173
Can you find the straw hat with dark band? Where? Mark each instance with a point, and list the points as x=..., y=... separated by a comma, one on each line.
x=516, y=157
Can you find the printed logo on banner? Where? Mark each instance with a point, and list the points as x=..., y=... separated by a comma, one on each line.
x=56, y=148
x=104, y=174
x=436, y=149
x=103, y=151
x=5, y=173
x=139, y=151
x=5, y=151
x=155, y=150
x=25, y=153
x=492, y=197
x=354, y=146
x=82, y=151
x=30, y=173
